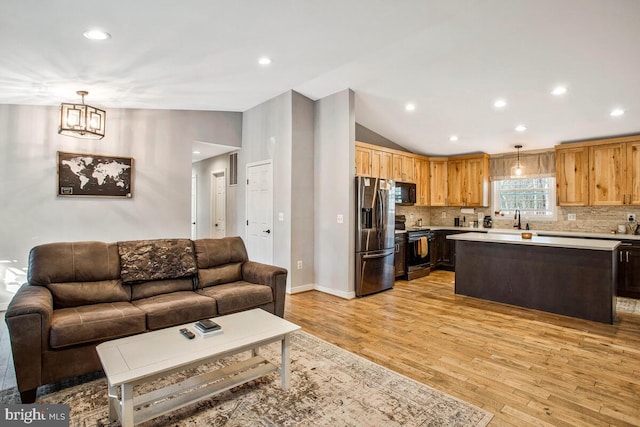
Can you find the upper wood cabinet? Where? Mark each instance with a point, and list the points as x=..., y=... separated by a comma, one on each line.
x=381, y=164
x=608, y=175
x=438, y=182
x=403, y=167
x=572, y=176
x=468, y=180
x=363, y=161
x=477, y=181
x=603, y=172
x=633, y=171
x=421, y=176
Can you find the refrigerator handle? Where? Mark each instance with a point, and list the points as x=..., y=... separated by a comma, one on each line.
x=377, y=256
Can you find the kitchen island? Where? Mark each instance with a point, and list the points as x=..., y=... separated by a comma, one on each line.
x=568, y=276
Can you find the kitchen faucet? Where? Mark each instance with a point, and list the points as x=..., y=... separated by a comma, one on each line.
x=517, y=217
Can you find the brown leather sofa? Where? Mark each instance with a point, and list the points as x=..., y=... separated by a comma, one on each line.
x=79, y=294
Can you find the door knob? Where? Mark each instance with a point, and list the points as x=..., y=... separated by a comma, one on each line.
x=267, y=231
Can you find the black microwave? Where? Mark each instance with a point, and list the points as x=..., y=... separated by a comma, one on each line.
x=405, y=193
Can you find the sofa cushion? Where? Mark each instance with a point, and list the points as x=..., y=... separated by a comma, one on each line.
x=238, y=296
x=219, y=260
x=73, y=262
x=176, y=308
x=144, y=260
x=158, y=287
x=73, y=294
x=95, y=322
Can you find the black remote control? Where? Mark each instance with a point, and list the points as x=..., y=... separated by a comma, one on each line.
x=187, y=333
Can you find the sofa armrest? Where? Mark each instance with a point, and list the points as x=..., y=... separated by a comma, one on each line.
x=270, y=275
x=28, y=319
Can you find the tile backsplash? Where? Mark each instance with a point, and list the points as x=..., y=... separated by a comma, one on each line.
x=591, y=219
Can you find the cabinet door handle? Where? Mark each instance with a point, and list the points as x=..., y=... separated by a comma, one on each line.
x=627, y=256
x=620, y=253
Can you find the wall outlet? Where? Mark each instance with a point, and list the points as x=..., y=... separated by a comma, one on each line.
x=571, y=217
x=340, y=218
x=299, y=265
x=631, y=217
x=444, y=214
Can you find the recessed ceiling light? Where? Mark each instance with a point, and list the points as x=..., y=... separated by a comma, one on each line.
x=559, y=90
x=521, y=128
x=500, y=103
x=410, y=107
x=453, y=138
x=264, y=60
x=96, y=35
x=617, y=112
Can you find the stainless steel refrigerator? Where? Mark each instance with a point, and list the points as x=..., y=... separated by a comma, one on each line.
x=375, y=227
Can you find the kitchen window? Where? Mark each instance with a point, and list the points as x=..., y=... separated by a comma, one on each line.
x=534, y=197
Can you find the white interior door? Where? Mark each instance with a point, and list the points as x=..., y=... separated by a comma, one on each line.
x=194, y=205
x=219, y=204
x=260, y=212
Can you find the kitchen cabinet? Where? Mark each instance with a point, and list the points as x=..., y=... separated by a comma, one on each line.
x=363, y=161
x=628, y=283
x=572, y=175
x=604, y=172
x=438, y=182
x=607, y=175
x=435, y=249
x=445, y=257
x=421, y=176
x=400, y=255
x=402, y=168
x=468, y=180
x=381, y=164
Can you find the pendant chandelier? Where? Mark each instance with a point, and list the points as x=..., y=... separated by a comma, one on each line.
x=82, y=120
x=518, y=166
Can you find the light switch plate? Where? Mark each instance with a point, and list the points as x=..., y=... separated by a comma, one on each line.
x=280, y=216
x=340, y=218
x=571, y=217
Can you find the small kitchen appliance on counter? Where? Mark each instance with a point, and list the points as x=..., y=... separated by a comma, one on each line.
x=487, y=222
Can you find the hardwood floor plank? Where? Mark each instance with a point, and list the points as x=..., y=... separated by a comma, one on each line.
x=526, y=367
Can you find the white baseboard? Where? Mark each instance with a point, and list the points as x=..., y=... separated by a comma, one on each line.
x=341, y=294
x=301, y=288
x=313, y=286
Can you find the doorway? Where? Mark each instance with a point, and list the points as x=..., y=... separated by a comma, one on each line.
x=260, y=211
x=218, y=204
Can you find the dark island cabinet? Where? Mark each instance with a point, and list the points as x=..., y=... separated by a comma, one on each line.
x=401, y=255
x=629, y=269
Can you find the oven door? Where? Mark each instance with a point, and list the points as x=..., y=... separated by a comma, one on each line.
x=419, y=251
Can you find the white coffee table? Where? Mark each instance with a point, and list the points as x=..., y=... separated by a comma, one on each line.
x=141, y=358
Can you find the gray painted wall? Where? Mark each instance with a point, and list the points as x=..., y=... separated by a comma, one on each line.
x=267, y=135
x=158, y=140
x=334, y=193
x=364, y=134
x=302, y=194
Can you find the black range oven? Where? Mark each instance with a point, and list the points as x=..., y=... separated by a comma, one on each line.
x=418, y=251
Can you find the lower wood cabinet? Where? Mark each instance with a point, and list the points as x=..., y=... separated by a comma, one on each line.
x=629, y=269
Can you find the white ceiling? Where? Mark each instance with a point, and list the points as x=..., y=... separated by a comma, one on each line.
x=451, y=58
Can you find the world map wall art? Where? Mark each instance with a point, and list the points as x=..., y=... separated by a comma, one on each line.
x=94, y=175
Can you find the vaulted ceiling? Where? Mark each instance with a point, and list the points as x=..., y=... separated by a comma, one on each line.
x=451, y=59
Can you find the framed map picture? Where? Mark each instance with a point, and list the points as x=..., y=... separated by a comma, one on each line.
x=94, y=175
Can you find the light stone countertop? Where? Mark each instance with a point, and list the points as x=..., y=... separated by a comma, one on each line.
x=549, y=233
x=560, y=242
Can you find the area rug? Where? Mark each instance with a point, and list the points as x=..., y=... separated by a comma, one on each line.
x=628, y=305
x=329, y=387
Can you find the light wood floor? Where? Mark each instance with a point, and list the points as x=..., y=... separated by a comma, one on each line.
x=528, y=368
